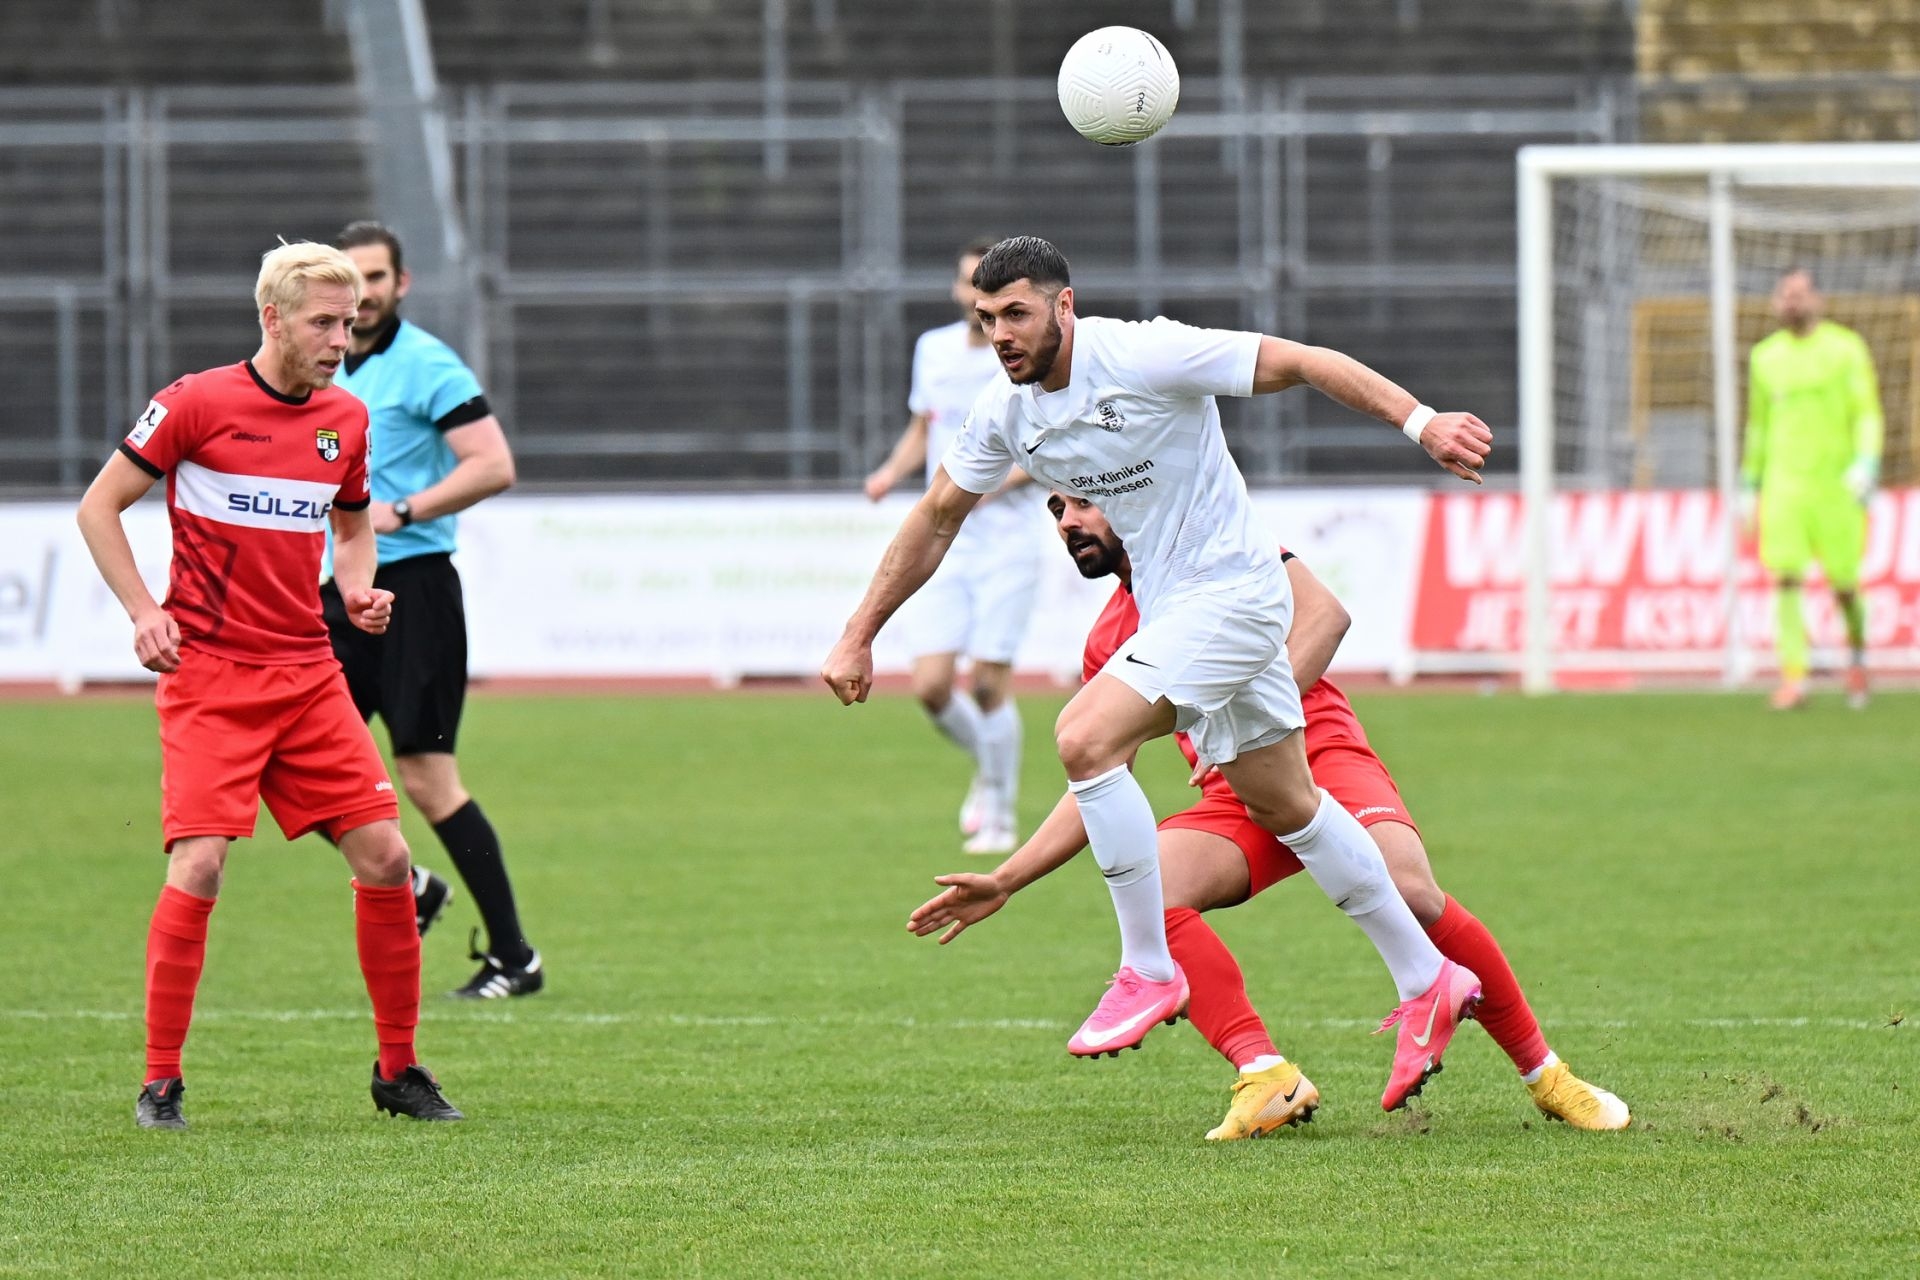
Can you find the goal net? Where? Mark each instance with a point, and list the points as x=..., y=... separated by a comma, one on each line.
x=1646, y=274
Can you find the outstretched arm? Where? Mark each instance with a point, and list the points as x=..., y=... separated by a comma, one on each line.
x=1459, y=442
x=968, y=899
x=911, y=558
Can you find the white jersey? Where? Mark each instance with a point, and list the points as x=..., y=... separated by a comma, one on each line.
x=1137, y=432
x=949, y=372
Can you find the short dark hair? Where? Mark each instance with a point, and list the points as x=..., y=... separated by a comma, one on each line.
x=365, y=232
x=1022, y=258
x=977, y=247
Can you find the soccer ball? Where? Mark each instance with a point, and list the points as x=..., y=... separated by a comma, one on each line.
x=1118, y=85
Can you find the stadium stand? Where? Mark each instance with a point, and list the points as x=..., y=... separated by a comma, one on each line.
x=1443, y=203
x=1733, y=71
x=202, y=42
x=1692, y=39
x=811, y=260
x=484, y=41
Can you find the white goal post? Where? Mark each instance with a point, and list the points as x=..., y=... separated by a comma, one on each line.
x=1644, y=273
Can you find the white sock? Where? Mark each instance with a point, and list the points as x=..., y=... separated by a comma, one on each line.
x=1261, y=1063
x=1533, y=1077
x=1000, y=755
x=1126, y=844
x=1410, y=954
x=1344, y=861
x=960, y=720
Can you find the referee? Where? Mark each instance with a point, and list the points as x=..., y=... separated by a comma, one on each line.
x=437, y=449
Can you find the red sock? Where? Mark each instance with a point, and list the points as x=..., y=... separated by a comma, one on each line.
x=1462, y=939
x=389, y=940
x=1218, y=1004
x=176, y=952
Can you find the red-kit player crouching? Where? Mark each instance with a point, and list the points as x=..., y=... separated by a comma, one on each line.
x=1214, y=855
x=260, y=457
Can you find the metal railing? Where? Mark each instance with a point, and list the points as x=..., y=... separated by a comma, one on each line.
x=671, y=283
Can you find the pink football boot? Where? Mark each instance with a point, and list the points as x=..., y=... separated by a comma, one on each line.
x=1130, y=1009
x=1427, y=1023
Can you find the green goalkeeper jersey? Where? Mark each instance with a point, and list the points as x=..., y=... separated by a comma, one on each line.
x=1813, y=410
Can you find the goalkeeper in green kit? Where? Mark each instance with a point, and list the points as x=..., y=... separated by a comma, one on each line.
x=1812, y=459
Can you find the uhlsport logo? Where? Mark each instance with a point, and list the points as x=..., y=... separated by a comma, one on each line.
x=328, y=443
x=1111, y=418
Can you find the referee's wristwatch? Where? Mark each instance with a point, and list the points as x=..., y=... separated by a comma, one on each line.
x=403, y=512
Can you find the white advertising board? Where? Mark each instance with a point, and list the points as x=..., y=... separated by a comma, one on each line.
x=715, y=587
x=58, y=621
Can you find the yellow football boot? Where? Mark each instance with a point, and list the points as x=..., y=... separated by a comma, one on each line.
x=1562, y=1095
x=1267, y=1100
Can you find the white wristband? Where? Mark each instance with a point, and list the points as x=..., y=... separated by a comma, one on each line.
x=1417, y=422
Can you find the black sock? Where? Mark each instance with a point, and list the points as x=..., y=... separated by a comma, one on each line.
x=475, y=851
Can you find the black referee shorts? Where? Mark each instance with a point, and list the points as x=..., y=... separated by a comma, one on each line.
x=415, y=676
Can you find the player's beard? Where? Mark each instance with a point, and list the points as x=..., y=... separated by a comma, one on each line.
x=1040, y=360
x=1093, y=557
x=302, y=368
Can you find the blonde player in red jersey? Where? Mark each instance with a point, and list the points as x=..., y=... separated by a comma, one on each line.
x=261, y=458
x=1214, y=855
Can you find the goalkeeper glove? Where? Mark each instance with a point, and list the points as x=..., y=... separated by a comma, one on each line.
x=1862, y=477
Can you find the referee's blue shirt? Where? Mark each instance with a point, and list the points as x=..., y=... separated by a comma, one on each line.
x=415, y=389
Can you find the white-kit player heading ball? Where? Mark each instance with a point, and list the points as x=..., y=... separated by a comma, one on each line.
x=1123, y=414
x=978, y=604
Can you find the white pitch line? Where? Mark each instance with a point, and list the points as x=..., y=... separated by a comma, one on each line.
x=527, y=1018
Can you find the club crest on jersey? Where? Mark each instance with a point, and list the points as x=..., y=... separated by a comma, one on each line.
x=1111, y=419
x=328, y=443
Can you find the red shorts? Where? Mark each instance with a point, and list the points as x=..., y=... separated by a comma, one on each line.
x=232, y=734
x=1349, y=771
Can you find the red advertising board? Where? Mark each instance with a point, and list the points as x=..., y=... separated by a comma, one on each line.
x=1639, y=576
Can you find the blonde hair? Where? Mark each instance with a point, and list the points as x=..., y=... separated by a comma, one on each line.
x=286, y=272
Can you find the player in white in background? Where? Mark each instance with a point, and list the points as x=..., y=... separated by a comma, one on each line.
x=977, y=604
x=1124, y=414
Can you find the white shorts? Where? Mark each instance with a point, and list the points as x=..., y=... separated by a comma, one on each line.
x=974, y=606
x=1221, y=660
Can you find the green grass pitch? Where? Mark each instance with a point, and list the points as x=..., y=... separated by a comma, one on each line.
x=743, y=1065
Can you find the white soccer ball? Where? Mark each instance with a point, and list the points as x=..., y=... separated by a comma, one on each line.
x=1118, y=85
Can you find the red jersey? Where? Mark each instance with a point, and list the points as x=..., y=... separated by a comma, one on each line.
x=1330, y=717
x=251, y=475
